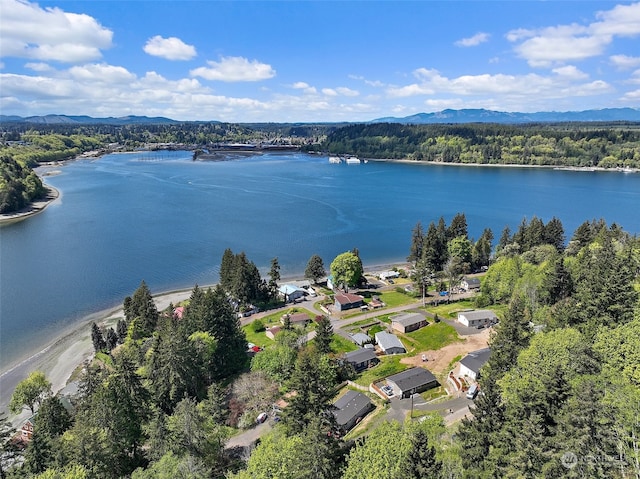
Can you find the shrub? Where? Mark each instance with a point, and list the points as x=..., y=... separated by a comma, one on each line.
x=257, y=326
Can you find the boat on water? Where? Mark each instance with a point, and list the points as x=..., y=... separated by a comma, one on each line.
x=353, y=160
x=335, y=159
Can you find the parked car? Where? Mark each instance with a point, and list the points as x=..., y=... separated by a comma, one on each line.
x=472, y=392
x=262, y=417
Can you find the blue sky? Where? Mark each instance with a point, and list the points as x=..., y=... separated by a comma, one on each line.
x=306, y=61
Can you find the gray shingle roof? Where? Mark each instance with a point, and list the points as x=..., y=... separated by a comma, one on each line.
x=407, y=319
x=479, y=314
x=387, y=341
x=359, y=356
x=476, y=359
x=351, y=406
x=412, y=378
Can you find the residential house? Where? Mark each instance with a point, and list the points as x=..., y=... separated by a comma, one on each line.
x=178, y=312
x=361, y=359
x=414, y=380
x=350, y=409
x=385, y=275
x=480, y=318
x=296, y=319
x=389, y=343
x=407, y=322
x=470, y=284
x=344, y=301
x=470, y=365
x=375, y=303
x=26, y=431
x=291, y=293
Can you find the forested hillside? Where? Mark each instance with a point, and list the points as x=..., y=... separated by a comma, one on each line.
x=571, y=144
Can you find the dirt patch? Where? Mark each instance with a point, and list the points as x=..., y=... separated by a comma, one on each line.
x=438, y=361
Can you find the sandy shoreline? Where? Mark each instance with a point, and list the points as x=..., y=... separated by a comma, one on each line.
x=33, y=208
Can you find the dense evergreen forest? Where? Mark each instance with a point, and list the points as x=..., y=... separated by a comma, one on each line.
x=579, y=144
x=560, y=394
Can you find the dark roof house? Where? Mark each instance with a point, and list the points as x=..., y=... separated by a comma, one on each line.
x=350, y=409
x=470, y=365
x=345, y=301
x=414, y=380
x=361, y=358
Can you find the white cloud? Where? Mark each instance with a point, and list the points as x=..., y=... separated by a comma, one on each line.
x=102, y=73
x=329, y=92
x=555, y=45
x=631, y=96
x=308, y=89
x=38, y=67
x=235, y=69
x=571, y=72
x=624, y=62
x=344, y=91
x=171, y=48
x=473, y=41
x=566, y=82
x=51, y=34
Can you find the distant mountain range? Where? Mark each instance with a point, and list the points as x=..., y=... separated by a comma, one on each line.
x=490, y=116
x=70, y=120
x=444, y=116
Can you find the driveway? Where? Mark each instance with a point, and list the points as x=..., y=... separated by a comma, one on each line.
x=451, y=410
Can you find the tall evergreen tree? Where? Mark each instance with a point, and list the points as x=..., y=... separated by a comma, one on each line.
x=554, y=234
x=417, y=243
x=99, y=344
x=315, y=269
x=324, y=334
x=143, y=312
x=227, y=267
x=458, y=227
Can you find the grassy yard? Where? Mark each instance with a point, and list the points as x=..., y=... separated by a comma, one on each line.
x=341, y=345
x=432, y=337
x=393, y=298
x=388, y=366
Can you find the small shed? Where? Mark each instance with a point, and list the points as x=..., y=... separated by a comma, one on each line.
x=407, y=322
x=350, y=409
x=389, y=343
x=272, y=332
x=471, y=364
x=361, y=359
x=477, y=319
x=414, y=380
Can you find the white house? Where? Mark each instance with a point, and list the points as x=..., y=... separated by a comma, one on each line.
x=385, y=275
x=470, y=284
x=470, y=365
x=480, y=318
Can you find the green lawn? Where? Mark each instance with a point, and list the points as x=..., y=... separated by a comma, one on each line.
x=388, y=365
x=432, y=337
x=450, y=311
x=393, y=298
x=341, y=345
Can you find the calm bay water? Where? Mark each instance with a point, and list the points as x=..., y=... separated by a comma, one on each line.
x=166, y=219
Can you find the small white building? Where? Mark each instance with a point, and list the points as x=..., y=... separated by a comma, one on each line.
x=385, y=275
x=480, y=318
